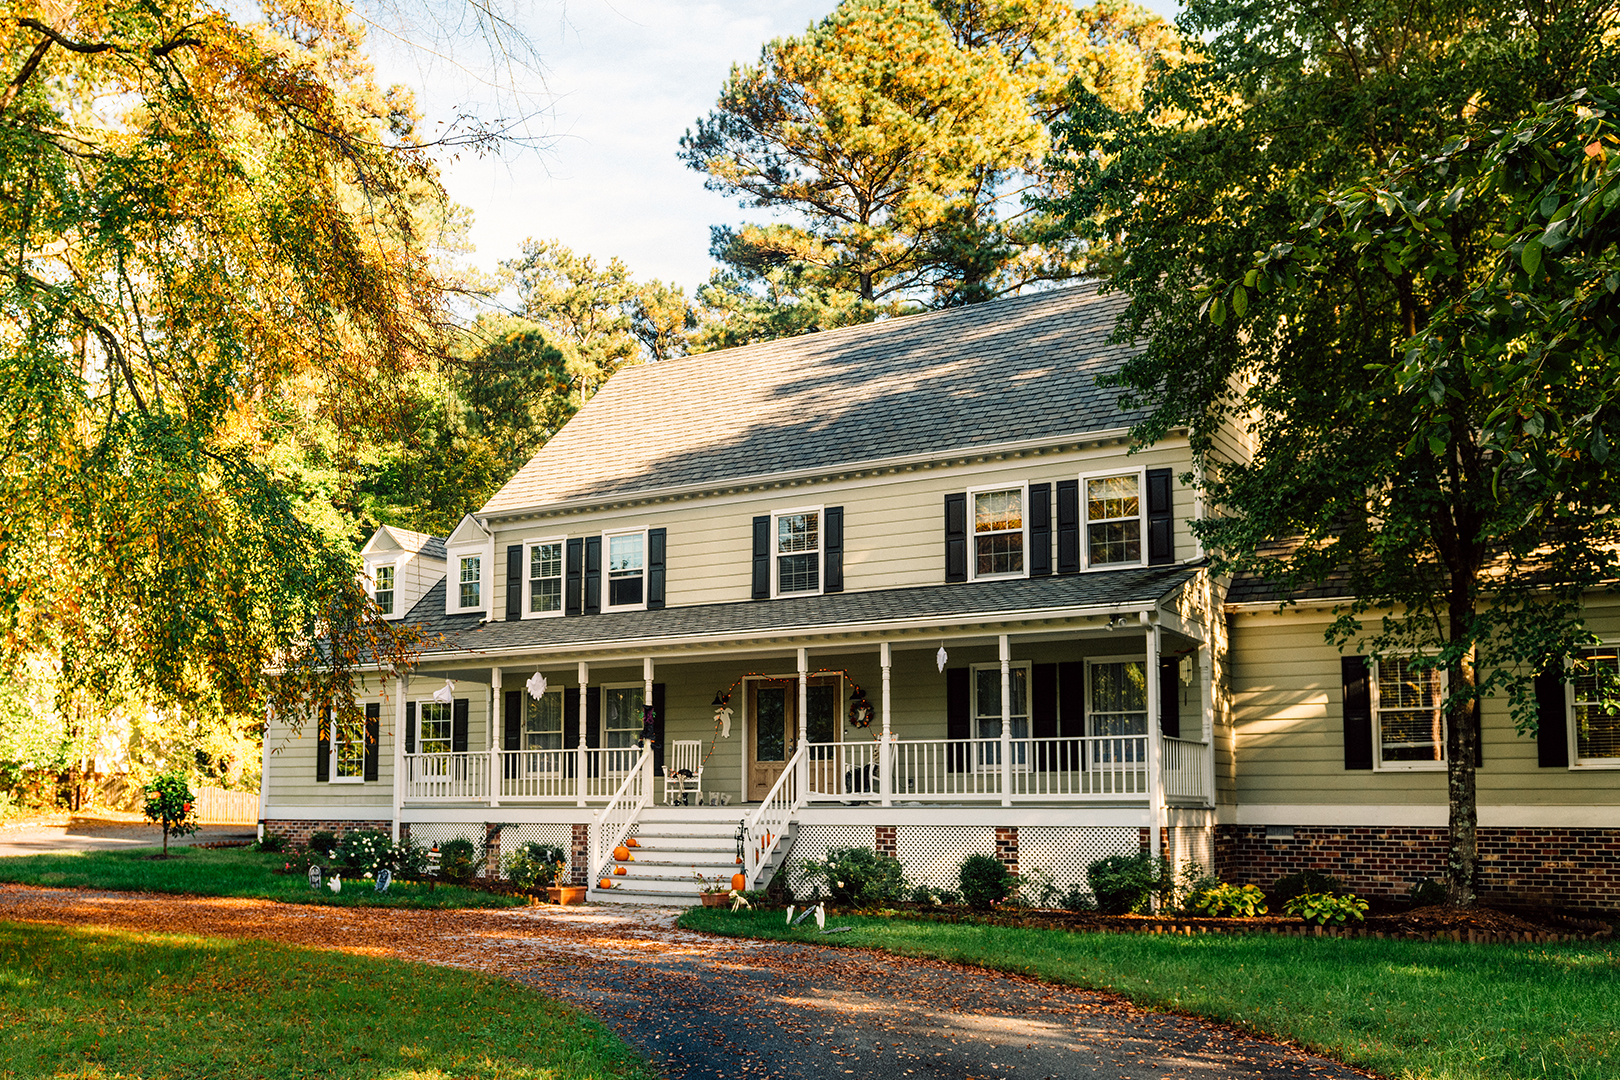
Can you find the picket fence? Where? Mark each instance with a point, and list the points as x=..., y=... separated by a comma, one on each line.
x=216, y=806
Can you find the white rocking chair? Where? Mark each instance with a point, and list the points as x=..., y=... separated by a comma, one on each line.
x=683, y=770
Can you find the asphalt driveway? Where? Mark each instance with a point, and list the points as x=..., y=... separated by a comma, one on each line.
x=105, y=834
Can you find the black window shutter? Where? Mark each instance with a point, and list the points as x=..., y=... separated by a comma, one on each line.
x=1040, y=530
x=1161, y=523
x=593, y=575
x=574, y=576
x=658, y=728
x=373, y=737
x=458, y=726
x=1358, y=747
x=323, y=748
x=593, y=717
x=410, y=727
x=958, y=721
x=570, y=717
x=832, y=550
x=1043, y=714
x=1071, y=688
x=514, y=582
x=1170, y=698
x=956, y=552
x=1552, y=716
x=657, y=540
x=512, y=721
x=1068, y=526
x=762, y=557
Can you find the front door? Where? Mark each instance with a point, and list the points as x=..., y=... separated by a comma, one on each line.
x=771, y=733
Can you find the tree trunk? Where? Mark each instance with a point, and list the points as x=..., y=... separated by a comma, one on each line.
x=165, y=839
x=1462, y=750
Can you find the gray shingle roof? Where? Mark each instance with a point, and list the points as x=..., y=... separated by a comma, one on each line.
x=990, y=599
x=1009, y=370
x=431, y=547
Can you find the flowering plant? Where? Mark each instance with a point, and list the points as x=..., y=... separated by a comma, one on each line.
x=718, y=885
x=169, y=802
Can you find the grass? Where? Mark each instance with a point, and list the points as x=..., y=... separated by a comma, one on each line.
x=1423, y=1010
x=225, y=872
x=106, y=1003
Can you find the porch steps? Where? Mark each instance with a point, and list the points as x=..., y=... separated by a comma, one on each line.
x=674, y=844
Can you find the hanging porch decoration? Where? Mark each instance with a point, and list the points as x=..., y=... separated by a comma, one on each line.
x=446, y=693
x=536, y=686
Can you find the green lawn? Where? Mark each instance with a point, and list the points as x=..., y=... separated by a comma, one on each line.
x=224, y=872
x=1402, y=1009
x=108, y=1003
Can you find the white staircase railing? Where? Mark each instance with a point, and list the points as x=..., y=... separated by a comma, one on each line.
x=614, y=821
x=763, y=830
x=1185, y=769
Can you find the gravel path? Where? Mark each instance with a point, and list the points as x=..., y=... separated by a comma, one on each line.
x=702, y=1007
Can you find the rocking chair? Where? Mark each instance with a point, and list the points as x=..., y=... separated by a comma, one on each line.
x=683, y=770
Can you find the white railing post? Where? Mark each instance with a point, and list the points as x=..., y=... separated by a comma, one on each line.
x=1206, y=688
x=1006, y=722
x=885, y=781
x=803, y=779
x=1155, y=746
x=584, y=694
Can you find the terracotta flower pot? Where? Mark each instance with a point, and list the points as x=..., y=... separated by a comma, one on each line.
x=566, y=894
x=715, y=899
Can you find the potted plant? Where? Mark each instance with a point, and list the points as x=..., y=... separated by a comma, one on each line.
x=560, y=893
x=715, y=893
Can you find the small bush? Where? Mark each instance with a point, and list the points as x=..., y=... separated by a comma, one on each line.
x=1324, y=908
x=1037, y=889
x=1427, y=892
x=985, y=881
x=1079, y=899
x=458, y=859
x=533, y=866
x=365, y=850
x=857, y=877
x=408, y=857
x=271, y=842
x=1231, y=901
x=1306, y=881
x=1127, y=883
x=323, y=841
x=923, y=894
x=1193, y=881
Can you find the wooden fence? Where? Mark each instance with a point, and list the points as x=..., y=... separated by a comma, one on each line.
x=216, y=806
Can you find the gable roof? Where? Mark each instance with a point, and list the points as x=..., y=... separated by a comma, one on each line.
x=1010, y=370
x=429, y=547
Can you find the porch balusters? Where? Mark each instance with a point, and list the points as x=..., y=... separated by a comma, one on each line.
x=584, y=692
x=495, y=732
x=885, y=749
x=1006, y=722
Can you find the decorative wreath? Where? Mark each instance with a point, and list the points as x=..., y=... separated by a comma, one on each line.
x=860, y=713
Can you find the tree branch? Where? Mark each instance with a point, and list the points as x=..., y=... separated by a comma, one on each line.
x=14, y=87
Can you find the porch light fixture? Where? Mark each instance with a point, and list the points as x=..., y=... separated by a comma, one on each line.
x=719, y=701
x=1116, y=621
x=537, y=686
x=446, y=693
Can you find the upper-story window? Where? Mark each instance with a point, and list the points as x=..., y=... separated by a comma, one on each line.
x=382, y=579
x=349, y=748
x=1114, y=514
x=1409, y=726
x=1596, y=720
x=798, y=551
x=998, y=532
x=545, y=577
x=470, y=583
x=625, y=582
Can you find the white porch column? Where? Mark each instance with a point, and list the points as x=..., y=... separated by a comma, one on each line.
x=885, y=752
x=646, y=699
x=579, y=771
x=1206, y=697
x=1155, y=746
x=401, y=775
x=497, y=717
x=803, y=779
x=1006, y=722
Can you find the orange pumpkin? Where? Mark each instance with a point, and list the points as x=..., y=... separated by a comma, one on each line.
x=632, y=842
x=620, y=870
x=621, y=853
x=739, y=860
x=739, y=882
x=605, y=883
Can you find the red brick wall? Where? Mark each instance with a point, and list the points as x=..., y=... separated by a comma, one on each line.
x=579, y=854
x=883, y=842
x=1568, y=868
x=1007, y=847
x=297, y=830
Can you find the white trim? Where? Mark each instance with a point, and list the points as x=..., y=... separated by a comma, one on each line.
x=334, y=812
x=452, y=584
x=607, y=572
x=601, y=720
x=1576, y=762
x=1022, y=487
x=1429, y=815
x=1141, y=517
x=1373, y=698
x=527, y=582
x=820, y=552
x=393, y=564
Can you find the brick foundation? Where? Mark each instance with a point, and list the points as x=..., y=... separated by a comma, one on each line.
x=298, y=830
x=1007, y=847
x=579, y=854
x=883, y=842
x=1577, y=869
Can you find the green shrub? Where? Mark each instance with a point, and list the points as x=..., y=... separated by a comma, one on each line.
x=408, y=857
x=458, y=859
x=985, y=881
x=365, y=850
x=1192, y=882
x=1306, y=881
x=1078, y=898
x=533, y=866
x=1037, y=889
x=271, y=842
x=1324, y=908
x=169, y=802
x=324, y=841
x=857, y=877
x=1231, y=901
x=1127, y=883
x=1427, y=892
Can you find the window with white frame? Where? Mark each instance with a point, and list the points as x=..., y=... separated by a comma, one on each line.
x=621, y=715
x=435, y=727
x=625, y=583
x=798, y=552
x=349, y=748
x=382, y=580
x=1596, y=721
x=998, y=532
x=545, y=581
x=470, y=581
x=1406, y=702
x=1114, y=513
x=543, y=722
x=987, y=710
x=1118, y=700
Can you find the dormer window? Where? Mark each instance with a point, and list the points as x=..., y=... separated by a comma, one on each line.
x=625, y=586
x=998, y=532
x=383, y=588
x=470, y=570
x=798, y=552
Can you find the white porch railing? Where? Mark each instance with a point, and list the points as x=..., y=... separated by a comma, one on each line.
x=443, y=777
x=763, y=829
x=539, y=775
x=1186, y=769
x=614, y=820
x=844, y=771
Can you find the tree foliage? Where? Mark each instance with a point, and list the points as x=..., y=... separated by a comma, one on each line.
x=1370, y=402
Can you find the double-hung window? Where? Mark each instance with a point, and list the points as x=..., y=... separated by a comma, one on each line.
x=382, y=580
x=1114, y=513
x=1596, y=719
x=349, y=748
x=625, y=584
x=543, y=722
x=435, y=727
x=470, y=581
x=987, y=712
x=545, y=577
x=998, y=532
x=1117, y=711
x=798, y=552
x=1409, y=725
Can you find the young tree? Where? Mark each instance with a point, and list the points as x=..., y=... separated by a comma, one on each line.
x=169, y=802
x=1384, y=465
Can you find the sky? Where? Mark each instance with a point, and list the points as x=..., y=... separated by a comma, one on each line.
x=617, y=85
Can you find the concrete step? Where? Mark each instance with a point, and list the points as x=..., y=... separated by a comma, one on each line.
x=636, y=896
x=645, y=857
x=673, y=885
x=652, y=830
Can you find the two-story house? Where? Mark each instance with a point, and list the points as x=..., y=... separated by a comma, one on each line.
x=900, y=586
